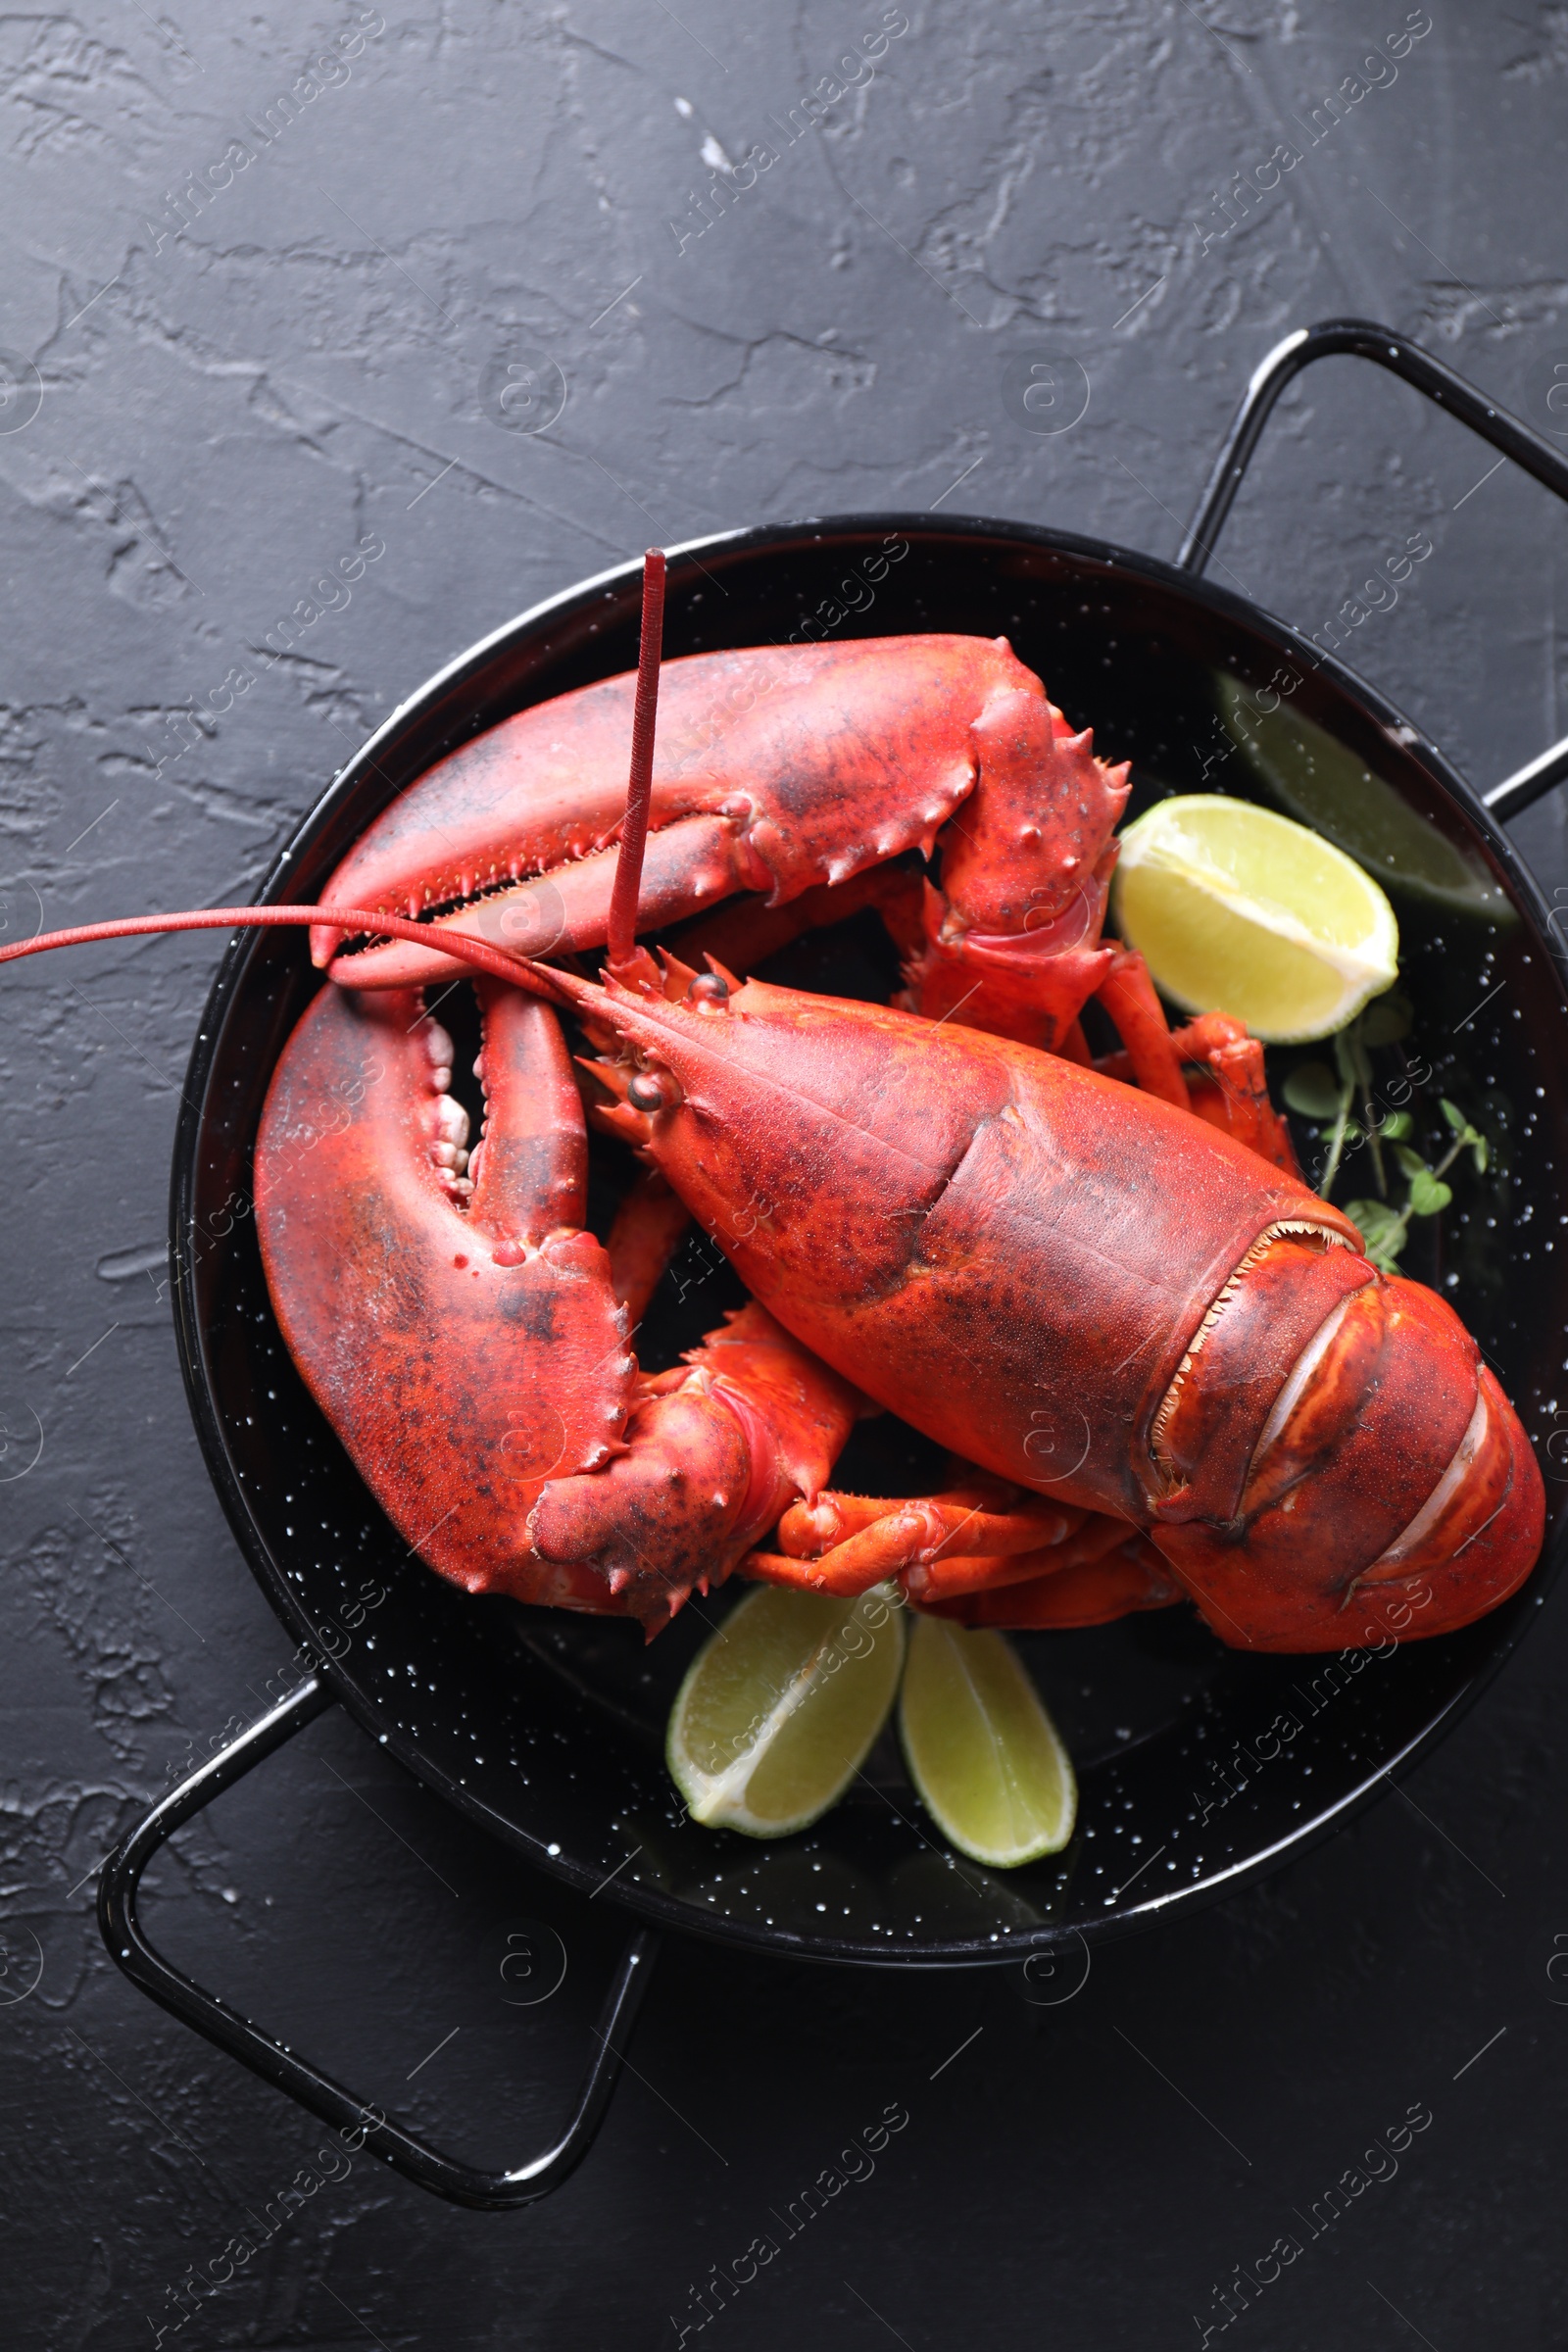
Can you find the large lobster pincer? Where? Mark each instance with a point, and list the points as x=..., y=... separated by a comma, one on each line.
x=464, y=1334
x=778, y=771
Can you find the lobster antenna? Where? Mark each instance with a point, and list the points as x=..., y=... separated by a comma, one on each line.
x=531, y=977
x=623, y=940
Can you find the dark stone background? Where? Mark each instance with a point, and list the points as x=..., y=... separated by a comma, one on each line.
x=220, y=414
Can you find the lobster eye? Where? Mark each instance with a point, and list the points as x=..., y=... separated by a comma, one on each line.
x=645, y=1092
x=709, y=993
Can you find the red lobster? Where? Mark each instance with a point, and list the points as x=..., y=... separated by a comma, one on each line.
x=1165, y=1366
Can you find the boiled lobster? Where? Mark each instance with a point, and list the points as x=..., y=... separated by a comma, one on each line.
x=1163, y=1366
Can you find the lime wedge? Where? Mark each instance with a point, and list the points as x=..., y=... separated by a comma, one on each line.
x=1330, y=788
x=981, y=1749
x=779, y=1710
x=1237, y=911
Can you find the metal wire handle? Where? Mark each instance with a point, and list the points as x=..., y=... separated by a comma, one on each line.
x=461, y=2183
x=1364, y=339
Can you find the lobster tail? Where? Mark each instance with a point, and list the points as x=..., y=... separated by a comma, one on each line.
x=1377, y=1484
x=1477, y=1537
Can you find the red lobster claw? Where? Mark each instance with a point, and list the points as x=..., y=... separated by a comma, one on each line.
x=404, y=1308
x=777, y=769
x=462, y=1333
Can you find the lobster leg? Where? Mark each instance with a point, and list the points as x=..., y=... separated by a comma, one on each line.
x=1234, y=1093
x=955, y=1551
x=1125, y=1577
x=905, y=1539
x=981, y=1514
x=1093, y=1568
x=1152, y=1060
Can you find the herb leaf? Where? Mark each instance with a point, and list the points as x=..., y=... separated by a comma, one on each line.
x=1312, y=1090
x=1382, y=1229
x=1428, y=1193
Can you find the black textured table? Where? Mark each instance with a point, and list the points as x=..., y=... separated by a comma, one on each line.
x=332, y=342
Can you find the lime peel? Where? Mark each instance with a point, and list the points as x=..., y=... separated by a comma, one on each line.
x=723, y=1787
x=982, y=1751
x=1330, y=788
x=1270, y=915
x=1238, y=909
x=818, y=1675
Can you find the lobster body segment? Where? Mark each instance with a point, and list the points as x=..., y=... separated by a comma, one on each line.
x=1095, y=1295
x=1005, y=1250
